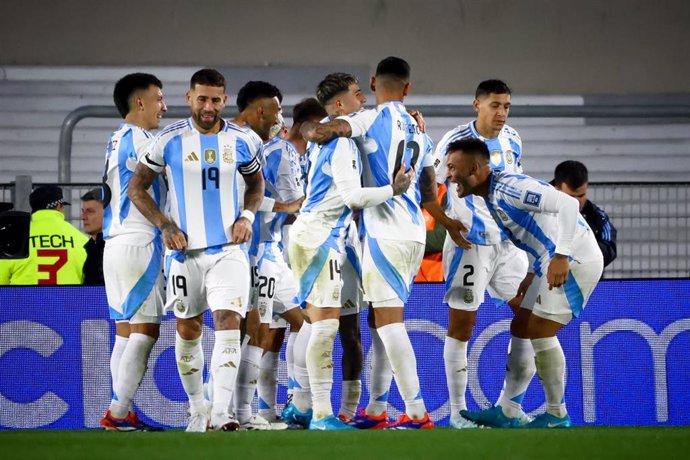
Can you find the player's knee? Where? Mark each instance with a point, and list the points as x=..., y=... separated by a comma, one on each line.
x=519, y=326
x=461, y=324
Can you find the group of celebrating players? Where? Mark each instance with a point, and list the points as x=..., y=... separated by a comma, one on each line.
x=210, y=201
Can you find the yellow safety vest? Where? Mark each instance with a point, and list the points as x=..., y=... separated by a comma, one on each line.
x=56, y=253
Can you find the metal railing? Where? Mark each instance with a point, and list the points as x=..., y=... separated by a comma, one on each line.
x=516, y=111
x=652, y=219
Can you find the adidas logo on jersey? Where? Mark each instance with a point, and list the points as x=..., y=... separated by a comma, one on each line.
x=192, y=157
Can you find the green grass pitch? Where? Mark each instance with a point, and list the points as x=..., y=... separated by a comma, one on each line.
x=655, y=443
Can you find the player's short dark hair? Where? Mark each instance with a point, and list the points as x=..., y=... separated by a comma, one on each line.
x=254, y=90
x=308, y=109
x=470, y=146
x=95, y=194
x=492, y=87
x=334, y=84
x=207, y=77
x=128, y=85
x=572, y=173
x=394, y=68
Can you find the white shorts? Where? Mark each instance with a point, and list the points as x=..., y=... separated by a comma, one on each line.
x=388, y=270
x=134, y=283
x=352, y=297
x=218, y=280
x=469, y=272
x=273, y=286
x=318, y=274
x=562, y=303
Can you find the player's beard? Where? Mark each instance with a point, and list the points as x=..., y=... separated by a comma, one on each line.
x=204, y=124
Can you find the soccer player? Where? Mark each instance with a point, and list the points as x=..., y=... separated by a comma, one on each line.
x=492, y=262
x=565, y=264
x=133, y=256
x=571, y=178
x=274, y=287
x=317, y=250
x=56, y=247
x=389, y=137
x=205, y=265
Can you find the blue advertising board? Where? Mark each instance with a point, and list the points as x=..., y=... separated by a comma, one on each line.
x=627, y=358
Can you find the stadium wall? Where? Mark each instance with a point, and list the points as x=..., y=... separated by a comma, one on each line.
x=539, y=46
x=626, y=355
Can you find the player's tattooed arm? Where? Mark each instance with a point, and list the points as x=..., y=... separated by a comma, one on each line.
x=428, y=190
x=142, y=179
x=320, y=133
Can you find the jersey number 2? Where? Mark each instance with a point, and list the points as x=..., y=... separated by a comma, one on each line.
x=412, y=145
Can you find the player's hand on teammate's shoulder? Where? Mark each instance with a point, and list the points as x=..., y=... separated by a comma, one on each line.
x=173, y=237
x=402, y=180
x=557, y=273
x=455, y=229
x=241, y=230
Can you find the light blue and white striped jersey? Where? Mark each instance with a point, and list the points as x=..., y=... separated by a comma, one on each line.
x=324, y=216
x=125, y=147
x=506, y=155
x=283, y=182
x=387, y=136
x=201, y=171
x=527, y=210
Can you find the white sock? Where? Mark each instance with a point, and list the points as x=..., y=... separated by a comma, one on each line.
x=225, y=361
x=320, y=365
x=115, y=357
x=190, y=366
x=247, y=378
x=301, y=395
x=290, y=359
x=381, y=376
x=520, y=369
x=349, y=399
x=455, y=359
x=550, y=362
x=404, y=365
x=268, y=385
x=133, y=365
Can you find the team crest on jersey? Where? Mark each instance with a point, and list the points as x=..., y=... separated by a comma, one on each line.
x=210, y=156
x=532, y=198
x=502, y=215
x=468, y=296
x=229, y=154
x=508, y=157
x=496, y=157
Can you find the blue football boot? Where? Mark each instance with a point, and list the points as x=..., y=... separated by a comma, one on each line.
x=330, y=423
x=292, y=416
x=547, y=420
x=492, y=417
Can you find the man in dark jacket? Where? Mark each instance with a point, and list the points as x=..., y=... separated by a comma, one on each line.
x=571, y=177
x=92, y=220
